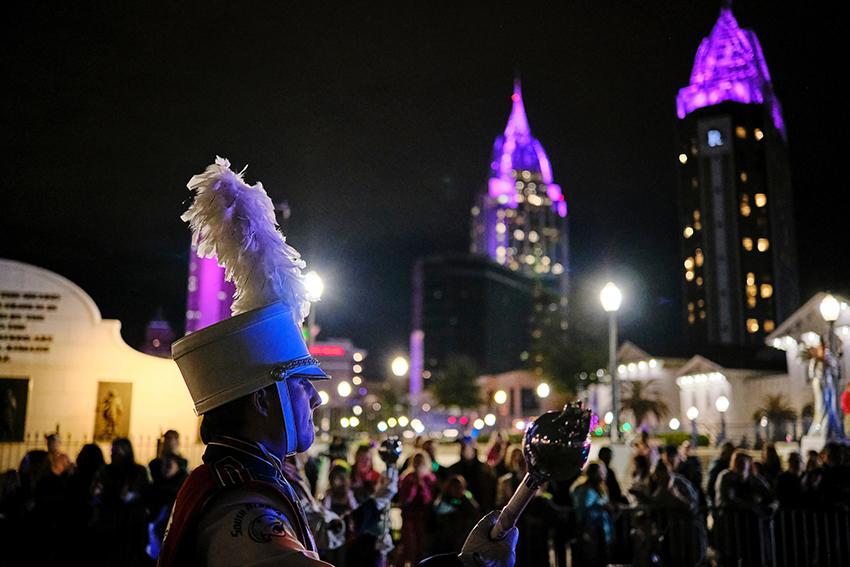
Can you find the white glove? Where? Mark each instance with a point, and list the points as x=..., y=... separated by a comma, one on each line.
x=481, y=551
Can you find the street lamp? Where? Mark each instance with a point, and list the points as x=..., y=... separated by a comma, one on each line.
x=611, y=297
x=722, y=404
x=830, y=309
x=693, y=414
x=500, y=397
x=543, y=390
x=400, y=366
x=314, y=286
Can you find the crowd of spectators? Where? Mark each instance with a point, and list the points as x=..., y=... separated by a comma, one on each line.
x=663, y=512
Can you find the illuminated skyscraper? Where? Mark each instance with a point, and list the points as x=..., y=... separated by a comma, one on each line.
x=520, y=222
x=209, y=297
x=739, y=263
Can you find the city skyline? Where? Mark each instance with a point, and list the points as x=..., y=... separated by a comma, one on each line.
x=380, y=165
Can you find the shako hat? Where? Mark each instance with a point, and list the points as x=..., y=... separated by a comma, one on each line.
x=262, y=342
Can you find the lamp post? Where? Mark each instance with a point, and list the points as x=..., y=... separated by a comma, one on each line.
x=500, y=397
x=830, y=309
x=611, y=297
x=315, y=287
x=722, y=404
x=693, y=414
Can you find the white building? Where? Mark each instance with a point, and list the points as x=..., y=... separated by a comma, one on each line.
x=743, y=377
x=62, y=365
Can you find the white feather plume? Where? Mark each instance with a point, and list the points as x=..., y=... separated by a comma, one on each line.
x=235, y=223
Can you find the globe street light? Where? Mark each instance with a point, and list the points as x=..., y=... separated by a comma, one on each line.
x=314, y=286
x=543, y=390
x=830, y=309
x=400, y=366
x=500, y=397
x=722, y=405
x=611, y=297
x=693, y=414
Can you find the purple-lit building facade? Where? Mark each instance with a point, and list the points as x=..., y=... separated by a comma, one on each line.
x=520, y=222
x=738, y=250
x=209, y=296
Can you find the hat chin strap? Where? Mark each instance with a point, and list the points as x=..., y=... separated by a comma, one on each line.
x=291, y=430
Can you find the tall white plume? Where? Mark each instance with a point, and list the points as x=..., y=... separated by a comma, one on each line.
x=235, y=223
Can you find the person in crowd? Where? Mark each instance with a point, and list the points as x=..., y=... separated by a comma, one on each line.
x=120, y=514
x=671, y=456
x=690, y=467
x=339, y=497
x=770, y=465
x=169, y=446
x=676, y=513
x=615, y=493
x=480, y=480
x=789, y=486
x=593, y=517
x=81, y=484
x=508, y=482
x=340, y=500
x=329, y=530
x=441, y=472
x=720, y=464
x=827, y=487
x=416, y=493
x=641, y=477
x=60, y=462
x=161, y=495
x=743, y=506
x=536, y=521
x=338, y=449
x=738, y=486
x=644, y=446
x=561, y=493
x=364, y=477
x=367, y=543
x=25, y=510
x=311, y=467
x=497, y=456
x=417, y=446
x=812, y=460
x=456, y=511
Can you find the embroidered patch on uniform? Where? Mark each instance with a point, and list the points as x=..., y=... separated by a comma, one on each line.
x=267, y=525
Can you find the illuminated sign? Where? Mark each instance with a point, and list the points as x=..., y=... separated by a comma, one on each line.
x=327, y=350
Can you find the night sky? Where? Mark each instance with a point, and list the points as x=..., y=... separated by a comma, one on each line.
x=376, y=124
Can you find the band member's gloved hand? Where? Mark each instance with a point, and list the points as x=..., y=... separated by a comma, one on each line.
x=387, y=488
x=481, y=551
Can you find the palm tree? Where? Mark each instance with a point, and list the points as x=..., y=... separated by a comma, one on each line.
x=641, y=400
x=457, y=383
x=778, y=412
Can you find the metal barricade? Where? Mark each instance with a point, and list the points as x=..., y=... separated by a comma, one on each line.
x=738, y=538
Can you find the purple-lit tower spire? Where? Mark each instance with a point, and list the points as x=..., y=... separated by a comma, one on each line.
x=209, y=295
x=520, y=222
x=729, y=66
x=738, y=248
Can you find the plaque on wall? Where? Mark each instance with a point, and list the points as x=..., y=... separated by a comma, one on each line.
x=14, y=393
x=112, y=414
